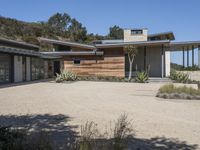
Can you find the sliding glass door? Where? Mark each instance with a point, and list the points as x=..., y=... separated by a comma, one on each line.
x=5, y=68
x=37, y=68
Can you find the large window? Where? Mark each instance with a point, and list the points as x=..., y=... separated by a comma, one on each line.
x=37, y=68
x=4, y=68
x=136, y=32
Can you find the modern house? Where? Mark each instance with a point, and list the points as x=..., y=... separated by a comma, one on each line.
x=108, y=58
x=24, y=62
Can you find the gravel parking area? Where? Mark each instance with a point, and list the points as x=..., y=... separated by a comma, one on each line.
x=103, y=102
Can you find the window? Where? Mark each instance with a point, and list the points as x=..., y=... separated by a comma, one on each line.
x=135, y=32
x=37, y=68
x=4, y=68
x=77, y=61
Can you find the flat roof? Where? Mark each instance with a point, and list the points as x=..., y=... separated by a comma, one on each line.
x=178, y=46
x=4, y=40
x=68, y=43
x=18, y=51
x=77, y=53
x=141, y=43
x=169, y=34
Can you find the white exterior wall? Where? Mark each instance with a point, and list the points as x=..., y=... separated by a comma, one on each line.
x=28, y=69
x=134, y=38
x=167, y=63
x=18, y=77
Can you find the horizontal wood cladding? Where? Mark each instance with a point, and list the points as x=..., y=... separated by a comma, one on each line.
x=110, y=66
x=71, y=58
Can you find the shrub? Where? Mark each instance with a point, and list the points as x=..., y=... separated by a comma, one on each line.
x=191, y=68
x=65, y=76
x=15, y=139
x=141, y=77
x=11, y=139
x=179, y=77
x=183, y=92
x=101, y=78
x=123, y=129
x=115, y=138
x=88, y=133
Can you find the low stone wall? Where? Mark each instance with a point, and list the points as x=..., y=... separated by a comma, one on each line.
x=193, y=75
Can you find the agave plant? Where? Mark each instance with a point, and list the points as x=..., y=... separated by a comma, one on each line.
x=141, y=77
x=65, y=75
x=179, y=77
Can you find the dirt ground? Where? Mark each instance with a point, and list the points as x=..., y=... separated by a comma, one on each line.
x=101, y=102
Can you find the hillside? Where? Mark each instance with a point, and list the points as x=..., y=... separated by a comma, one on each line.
x=58, y=26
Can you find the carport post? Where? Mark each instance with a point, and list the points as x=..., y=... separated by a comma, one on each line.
x=183, y=58
x=199, y=56
x=162, y=62
x=187, y=56
x=192, y=55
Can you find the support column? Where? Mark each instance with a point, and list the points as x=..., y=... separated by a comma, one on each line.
x=192, y=55
x=199, y=56
x=162, y=62
x=145, y=55
x=188, y=57
x=183, y=57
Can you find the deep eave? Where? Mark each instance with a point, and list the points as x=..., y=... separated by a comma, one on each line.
x=178, y=46
x=77, y=53
x=169, y=35
x=142, y=43
x=25, y=52
x=17, y=43
x=68, y=43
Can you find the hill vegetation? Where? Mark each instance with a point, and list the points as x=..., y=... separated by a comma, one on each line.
x=58, y=26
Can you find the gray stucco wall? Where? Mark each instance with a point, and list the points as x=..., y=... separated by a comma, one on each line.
x=153, y=62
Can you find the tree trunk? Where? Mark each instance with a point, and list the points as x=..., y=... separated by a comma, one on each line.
x=130, y=70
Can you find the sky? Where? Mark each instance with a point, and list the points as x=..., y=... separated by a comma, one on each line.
x=180, y=16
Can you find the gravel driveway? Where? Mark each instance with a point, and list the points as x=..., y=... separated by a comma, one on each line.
x=102, y=102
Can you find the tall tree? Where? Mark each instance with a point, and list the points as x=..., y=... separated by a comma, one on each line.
x=60, y=21
x=77, y=32
x=116, y=32
x=132, y=51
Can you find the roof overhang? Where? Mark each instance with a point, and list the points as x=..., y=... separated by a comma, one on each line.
x=67, y=43
x=179, y=46
x=163, y=35
x=77, y=53
x=18, y=51
x=142, y=43
x=30, y=46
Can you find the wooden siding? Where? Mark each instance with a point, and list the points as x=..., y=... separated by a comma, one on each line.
x=110, y=66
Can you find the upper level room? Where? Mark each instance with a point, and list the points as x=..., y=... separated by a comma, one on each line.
x=139, y=35
x=136, y=35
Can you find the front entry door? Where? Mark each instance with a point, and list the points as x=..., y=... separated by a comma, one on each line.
x=56, y=67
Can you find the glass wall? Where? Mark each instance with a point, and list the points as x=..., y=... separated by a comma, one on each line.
x=37, y=68
x=5, y=65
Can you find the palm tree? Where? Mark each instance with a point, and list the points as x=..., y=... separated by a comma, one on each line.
x=132, y=51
